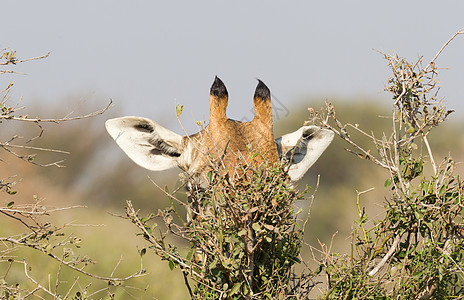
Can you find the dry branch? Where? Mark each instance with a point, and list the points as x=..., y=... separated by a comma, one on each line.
x=58, y=120
x=423, y=212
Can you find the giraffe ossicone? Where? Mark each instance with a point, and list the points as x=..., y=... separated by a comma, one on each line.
x=156, y=148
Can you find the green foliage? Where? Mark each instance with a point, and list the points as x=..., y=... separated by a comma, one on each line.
x=40, y=255
x=9, y=57
x=179, y=110
x=244, y=239
x=415, y=251
x=7, y=187
x=230, y=248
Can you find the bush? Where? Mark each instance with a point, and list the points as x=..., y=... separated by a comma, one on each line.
x=243, y=240
x=29, y=226
x=415, y=251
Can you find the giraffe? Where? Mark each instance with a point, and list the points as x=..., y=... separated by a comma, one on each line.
x=225, y=141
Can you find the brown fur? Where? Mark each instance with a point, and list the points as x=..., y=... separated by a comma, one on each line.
x=234, y=137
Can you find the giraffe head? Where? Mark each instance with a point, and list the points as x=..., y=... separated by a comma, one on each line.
x=223, y=143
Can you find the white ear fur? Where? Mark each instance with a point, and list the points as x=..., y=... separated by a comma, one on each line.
x=148, y=144
x=302, y=148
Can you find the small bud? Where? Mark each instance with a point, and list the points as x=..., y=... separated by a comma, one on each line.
x=179, y=110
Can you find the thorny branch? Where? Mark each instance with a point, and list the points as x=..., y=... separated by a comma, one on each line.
x=58, y=120
x=424, y=213
x=46, y=238
x=386, y=257
x=27, y=215
x=8, y=113
x=243, y=235
x=10, y=58
x=7, y=146
x=432, y=62
x=38, y=234
x=132, y=215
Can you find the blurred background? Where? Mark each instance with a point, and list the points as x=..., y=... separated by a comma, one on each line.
x=148, y=55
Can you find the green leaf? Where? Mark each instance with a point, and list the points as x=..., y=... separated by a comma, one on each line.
x=442, y=189
x=213, y=268
x=388, y=182
x=172, y=265
x=179, y=110
x=145, y=219
x=149, y=230
x=256, y=227
x=235, y=288
x=190, y=254
x=242, y=232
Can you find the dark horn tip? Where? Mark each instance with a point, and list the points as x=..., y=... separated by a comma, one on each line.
x=262, y=91
x=218, y=88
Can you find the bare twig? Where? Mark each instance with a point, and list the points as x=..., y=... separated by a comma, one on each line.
x=460, y=31
x=35, y=148
x=34, y=211
x=133, y=215
x=170, y=195
x=429, y=150
x=71, y=264
x=386, y=257
x=35, y=282
x=17, y=61
x=58, y=120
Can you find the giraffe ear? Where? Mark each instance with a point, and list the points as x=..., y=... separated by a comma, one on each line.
x=302, y=148
x=148, y=144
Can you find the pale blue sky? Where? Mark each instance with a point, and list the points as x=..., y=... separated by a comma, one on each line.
x=145, y=54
